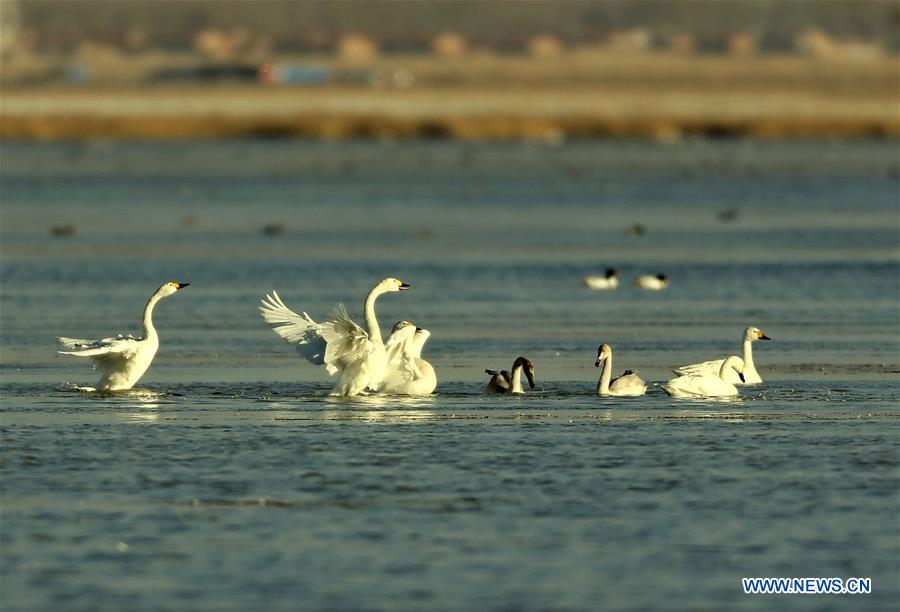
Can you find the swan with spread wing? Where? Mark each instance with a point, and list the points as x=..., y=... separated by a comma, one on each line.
x=123, y=359
x=407, y=373
x=357, y=356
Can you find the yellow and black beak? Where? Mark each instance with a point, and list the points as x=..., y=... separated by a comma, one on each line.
x=181, y=285
x=404, y=286
x=762, y=336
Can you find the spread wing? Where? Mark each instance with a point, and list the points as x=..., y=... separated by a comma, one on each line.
x=346, y=342
x=298, y=329
x=401, y=356
x=102, y=353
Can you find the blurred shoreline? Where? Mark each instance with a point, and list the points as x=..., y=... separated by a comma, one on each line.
x=662, y=98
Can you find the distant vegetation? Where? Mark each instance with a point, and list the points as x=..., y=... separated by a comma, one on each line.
x=499, y=26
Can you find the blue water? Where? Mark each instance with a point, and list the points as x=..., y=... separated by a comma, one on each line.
x=233, y=482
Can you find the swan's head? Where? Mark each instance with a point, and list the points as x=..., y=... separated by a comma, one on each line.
x=754, y=333
x=611, y=273
x=736, y=364
x=401, y=325
x=170, y=288
x=527, y=367
x=392, y=284
x=603, y=351
x=662, y=278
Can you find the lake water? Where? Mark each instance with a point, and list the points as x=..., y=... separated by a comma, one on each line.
x=233, y=482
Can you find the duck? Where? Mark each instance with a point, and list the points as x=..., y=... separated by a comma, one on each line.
x=628, y=384
x=356, y=355
x=609, y=281
x=408, y=373
x=747, y=366
x=504, y=382
x=122, y=360
x=652, y=282
x=705, y=384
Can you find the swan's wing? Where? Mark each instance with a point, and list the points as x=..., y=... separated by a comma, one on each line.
x=103, y=353
x=629, y=382
x=401, y=360
x=699, y=368
x=346, y=342
x=299, y=329
x=499, y=382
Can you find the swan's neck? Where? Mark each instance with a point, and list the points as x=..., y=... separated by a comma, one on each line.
x=371, y=319
x=748, y=356
x=605, y=375
x=516, y=385
x=149, y=330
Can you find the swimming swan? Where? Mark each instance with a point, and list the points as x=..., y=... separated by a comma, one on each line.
x=610, y=281
x=654, y=283
x=747, y=367
x=342, y=346
x=705, y=384
x=503, y=382
x=123, y=359
x=407, y=373
x=628, y=384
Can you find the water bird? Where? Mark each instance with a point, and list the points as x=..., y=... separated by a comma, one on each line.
x=628, y=384
x=652, y=282
x=63, y=231
x=504, y=382
x=357, y=356
x=123, y=359
x=407, y=372
x=609, y=281
x=747, y=368
x=273, y=229
x=705, y=384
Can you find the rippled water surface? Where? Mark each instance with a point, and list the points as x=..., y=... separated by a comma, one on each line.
x=232, y=481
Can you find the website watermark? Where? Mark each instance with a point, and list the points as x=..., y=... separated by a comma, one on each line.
x=807, y=586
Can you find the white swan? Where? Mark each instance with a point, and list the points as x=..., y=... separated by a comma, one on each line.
x=747, y=367
x=345, y=348
x=504, y=382
x=407, y=373
x=628, y=384
x=705, y=384
x=652, y=282
x=610, y=281
x=123, y=359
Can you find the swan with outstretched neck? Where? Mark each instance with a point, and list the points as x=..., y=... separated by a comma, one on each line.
x=628, y=384
x=357, y=356
x=511, y=383
x=747, y=367
x=123, y=359
x=705, y=384
x=407, y=373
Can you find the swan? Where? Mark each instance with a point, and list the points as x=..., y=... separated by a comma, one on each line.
x=610, y=281
x=628, y=384
x=407, y=373
x=123, y=359
x=705, y=384
x=654, y=283
x=503, y=382
x=747, y=367
x=342, y=346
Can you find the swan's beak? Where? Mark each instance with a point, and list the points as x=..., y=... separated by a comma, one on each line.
x=418, y=329
x=530, y=376
x=762, y=336
x=741, y=376
x=181, y=285
x=599, y=359
x=404, y=287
